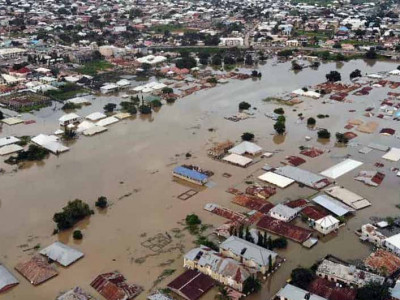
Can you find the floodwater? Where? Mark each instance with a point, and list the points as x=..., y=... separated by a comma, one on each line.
x=131, y=165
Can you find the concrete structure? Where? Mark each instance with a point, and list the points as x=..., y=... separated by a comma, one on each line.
x=249, y=254
x=291, y=292
x=232, y=42
x=327, y=224
x=393, y=244
x=283, y=213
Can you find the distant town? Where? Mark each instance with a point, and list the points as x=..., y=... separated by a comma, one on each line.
x=191, y=150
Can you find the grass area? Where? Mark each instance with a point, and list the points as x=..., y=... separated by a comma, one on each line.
x=170, y=27
x=93, y=67
x=65, y=92
x=357, y=43
x=320, y=34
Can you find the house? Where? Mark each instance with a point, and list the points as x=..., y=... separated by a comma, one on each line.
x=36, y=270
x=249, y=254
x=291, y=292
x=383, y=262
x=327, y=224
x=292, y=43
x=283, y=213
x=371, y=234
x=62, y=254
x=226, y=271
x=190, y=175
x=343, y=273
x=7, y=280
x=109, y=88
x=75, y=294
x=232, y=42
x=71, y=118
x=246, y=148
x=392, y=244
x=113, y=286
x=220, y=149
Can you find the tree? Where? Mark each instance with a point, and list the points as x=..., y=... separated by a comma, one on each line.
x=101, y=202
x=109, y=107
x=222, y=294
x=296, y=66
x=341, y=138
x=371, y=54
x=251, y=285
x=269, y=263
x=77, y=235
x=244, y=105
x=311, y=122
x=260, y=239
x=324, y=134
x=280, y=127
x=279, y=111
x=71, y=214
x=373, y=290
x=302, y=277
x=216, y=60
x=248, y=60
x=1, y=115
x=69, y=134
x=337, y=45
x=279, y=243
x=356, y=73
x=247, y=136
x=333, y=76
x=281, y=119
x=192, y=219
x=129, y=107
x=167, y=90
x=145, y=109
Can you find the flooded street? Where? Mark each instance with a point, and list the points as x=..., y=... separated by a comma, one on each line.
x=131, y=165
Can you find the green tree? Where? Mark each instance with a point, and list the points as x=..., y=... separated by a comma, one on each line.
x=109, y=107
x=280, y=127
x=280, y=243
x=244, y=105
x=375, y=291
x=77, y=235
x=192, y=219
x=1, y=115
x=71, y=214
x=279, y=111
x=222, y=294
x=167, y=90
x=371, y=54
x=356, y=73
x=311, y=121
x=324, y=134
x=101, y=202
x=247, y=136
x=333, y=76
x=341, y=138
x=302, y=277
x=251, y=285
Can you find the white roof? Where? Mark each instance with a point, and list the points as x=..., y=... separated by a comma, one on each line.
x=78, y=100
x=341, y=168
x=84, y=126
x=393, y=154
x=283, y=210
x=12, y=121
x=6, y=278
x=94, y=130
x=395, y=72
x=8, y=140
x=291, y=292
x=394, y=240
x=327, y=221
x=245, y=147
x=249, y=251
x=276, y=179
x=68, y=117
x=123, y=82
x=62, y=253
x=50, y=143
x=237, y=159
x=348, y=197
x=107, y=121
x=333, y=205
x=5, y=150
x=96, y=116
x=122, y=115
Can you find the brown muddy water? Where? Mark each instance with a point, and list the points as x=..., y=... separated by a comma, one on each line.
x=131, y=165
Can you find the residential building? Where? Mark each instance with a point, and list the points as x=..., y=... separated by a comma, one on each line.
x=327, y=224
x=283, y=212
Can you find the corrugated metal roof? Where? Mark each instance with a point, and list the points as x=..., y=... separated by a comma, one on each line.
x=333, y=205
x=62, y=253
x=192, y=174
x=7, y=280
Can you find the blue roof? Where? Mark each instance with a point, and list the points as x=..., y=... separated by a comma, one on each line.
x=192, y=174
x=343, y=28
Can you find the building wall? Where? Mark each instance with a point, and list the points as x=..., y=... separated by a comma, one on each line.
x=326, y=230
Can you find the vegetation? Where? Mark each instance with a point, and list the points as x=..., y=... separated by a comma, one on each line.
x=192, y=219
x=244, y=105
x=280, y=127
x=74, y=212
x=93, y=67
x=251, y=285
x=356, y=73
x=279, y=111
x=1, y=115
x=341, y=138
x=186, y=63
x=69, y=134
x=371, y=54
x=129, y=107
x=374, y=291
x=324, y=134
x=34, y=153
x=302, y=277
x=212, y=80
x=71, y=106
x=311, y=122
x=333, y=76
x=285, y=53
x=65, y=92
x=279, y=243
x=167, y=90
x=296, y=66
x=202, y=240
x=109, y=107
x=102, y=202
x=23, y=140
x=222, y=294
x=247, y=136
x=145, y=109
x=77, y=235
x=156, y=103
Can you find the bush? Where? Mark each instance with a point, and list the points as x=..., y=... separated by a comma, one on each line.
x=212, y=80
x=145, y=109
x=101, y=202
x=1, y=115
x=74, y=212
x=333, y=76
x=70, y=106
x=202, y=240
x=244, y=105
x=341, y=138
x=311, y=121
x=186, y=63
x=129, y=107
x=251, y=285
x=34, y=153
x=356, y=73
x=192, y=219
x=279, y=111
x=324, y=134
x=77, y=235
x=371, y=54
x=281, y=119
x=247, y=136
x=167, y=90
x=156, y=103
x=302, y=278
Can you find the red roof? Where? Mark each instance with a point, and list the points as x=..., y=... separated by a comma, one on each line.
x=113, y=286
x=295, y=160
x=191, y=285
x=330, y=291
x=23, y=70
x=314, y=212
x=295, y=233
